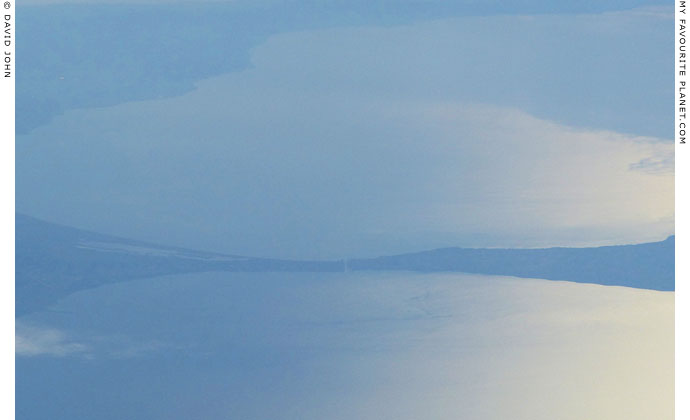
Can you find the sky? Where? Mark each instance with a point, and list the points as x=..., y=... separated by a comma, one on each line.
x=499, y=130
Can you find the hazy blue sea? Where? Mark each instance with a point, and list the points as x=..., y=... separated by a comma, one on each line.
x=348, y=346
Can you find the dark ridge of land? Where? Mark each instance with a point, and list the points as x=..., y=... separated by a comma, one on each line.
x=53, y=261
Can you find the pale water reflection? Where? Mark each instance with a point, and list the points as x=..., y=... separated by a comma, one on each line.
x=349, y=346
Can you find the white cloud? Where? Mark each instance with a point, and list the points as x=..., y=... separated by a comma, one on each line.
x=663, y=162
x=31, y=340
x=36, y=340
